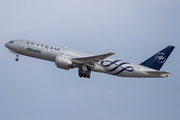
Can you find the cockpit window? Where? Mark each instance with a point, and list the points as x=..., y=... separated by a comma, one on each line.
x=10, y=41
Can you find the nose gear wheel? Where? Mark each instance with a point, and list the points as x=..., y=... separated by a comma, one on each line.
x=17, y=59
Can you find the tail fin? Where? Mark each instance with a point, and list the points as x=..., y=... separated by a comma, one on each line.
x=157, y=60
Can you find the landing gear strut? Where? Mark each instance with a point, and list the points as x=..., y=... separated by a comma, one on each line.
x=17, y=55
x=84, y=71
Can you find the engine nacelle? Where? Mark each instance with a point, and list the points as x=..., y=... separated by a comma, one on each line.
x=63, y=62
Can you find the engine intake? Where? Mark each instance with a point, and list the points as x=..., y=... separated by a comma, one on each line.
x=63, y=62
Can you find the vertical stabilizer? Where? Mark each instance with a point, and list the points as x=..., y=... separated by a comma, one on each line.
x=157, y=60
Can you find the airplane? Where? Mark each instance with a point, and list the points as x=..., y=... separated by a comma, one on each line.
x=67, y=59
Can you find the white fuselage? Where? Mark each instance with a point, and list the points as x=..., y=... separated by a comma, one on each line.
x=108, y=65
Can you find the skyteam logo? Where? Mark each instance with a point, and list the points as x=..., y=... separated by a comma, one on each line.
x=160, y=57
x=116, y=66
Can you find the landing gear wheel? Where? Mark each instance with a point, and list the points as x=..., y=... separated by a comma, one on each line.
x=80, y=75
x=17, y=59
x=88, y=76
x=84, y=71
x=84, y=75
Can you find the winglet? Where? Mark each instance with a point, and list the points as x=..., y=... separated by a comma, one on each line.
x=110, y=53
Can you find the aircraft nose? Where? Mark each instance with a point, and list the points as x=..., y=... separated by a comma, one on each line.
x=6, y=45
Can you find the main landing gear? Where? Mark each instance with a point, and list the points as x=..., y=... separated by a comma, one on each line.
x=84, y=71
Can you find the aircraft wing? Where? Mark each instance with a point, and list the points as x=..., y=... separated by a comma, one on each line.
x=91, y=59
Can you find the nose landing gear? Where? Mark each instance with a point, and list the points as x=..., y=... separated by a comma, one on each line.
x=17, y=55
x=17, y=59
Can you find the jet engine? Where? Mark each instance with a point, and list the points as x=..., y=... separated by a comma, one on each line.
x=63, y=62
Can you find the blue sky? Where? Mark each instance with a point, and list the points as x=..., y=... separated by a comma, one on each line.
x=133, y=29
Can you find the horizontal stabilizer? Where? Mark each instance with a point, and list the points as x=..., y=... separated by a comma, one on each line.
x=157, y=72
